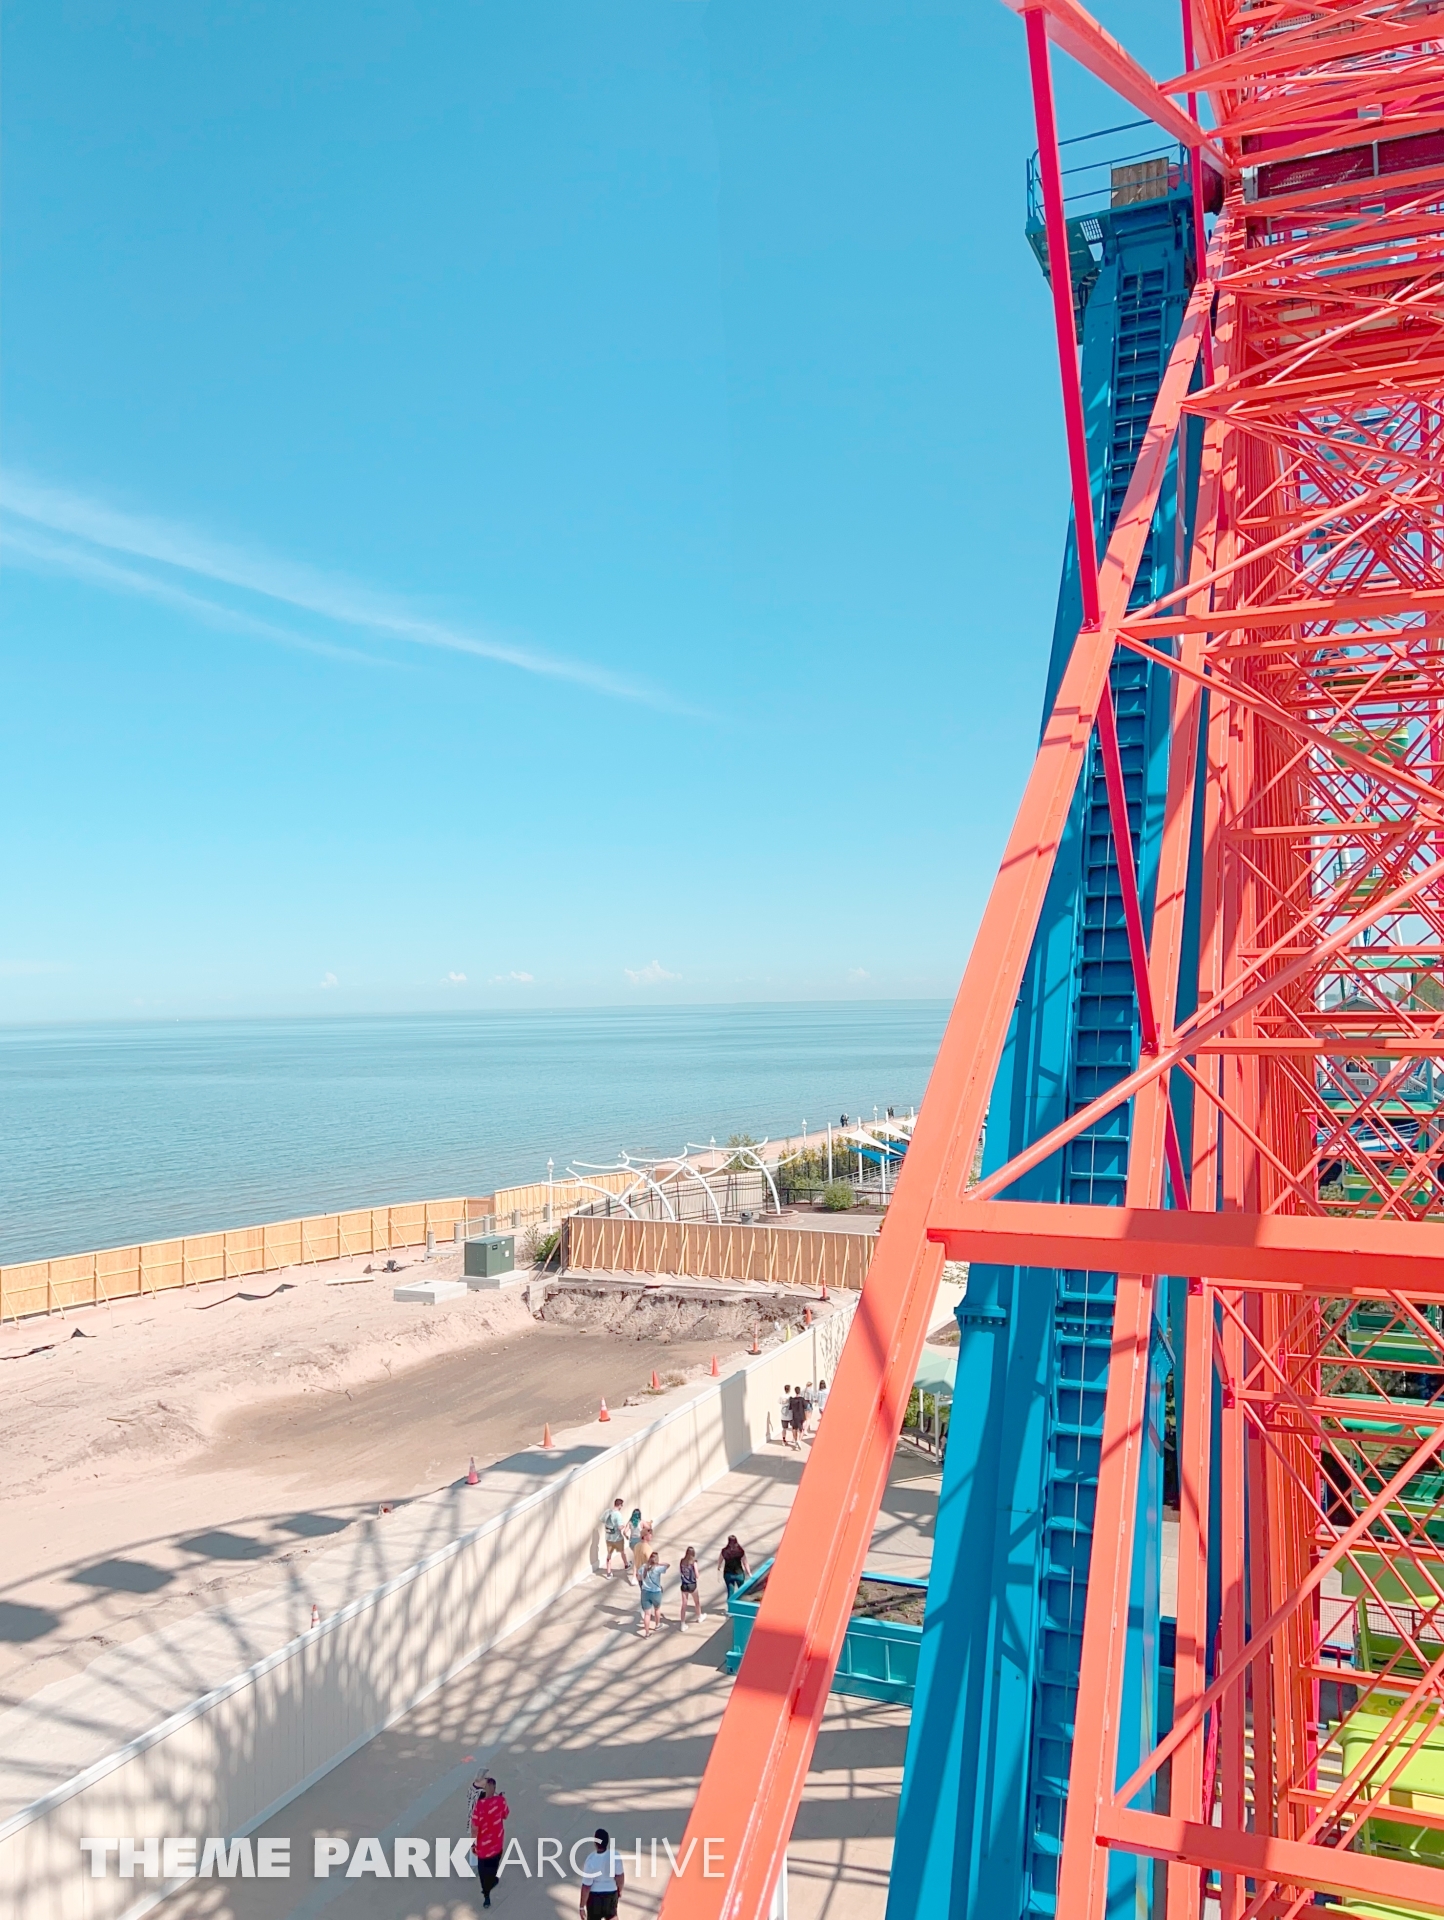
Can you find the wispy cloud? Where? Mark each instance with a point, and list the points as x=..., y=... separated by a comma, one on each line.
x=50, y=556
x=454, y=980
x=652, y=975
x=87, y=525
x=329, y=980
x=505, y=979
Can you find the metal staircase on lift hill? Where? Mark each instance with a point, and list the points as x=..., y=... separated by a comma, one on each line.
x=981, y=1821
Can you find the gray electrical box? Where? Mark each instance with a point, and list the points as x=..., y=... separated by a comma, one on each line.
x=491, y=1256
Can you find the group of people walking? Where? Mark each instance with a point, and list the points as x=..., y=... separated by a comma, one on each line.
x=800, y=1406
x=602, y=1878
x=628, y=1538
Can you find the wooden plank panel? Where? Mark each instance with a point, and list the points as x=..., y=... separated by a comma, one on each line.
x=21, y=1297
x=705, y=1250
x=205, y=1257
x=77, y=1292
x=244, y=1251
x=120, y=1273
x=117, y=1273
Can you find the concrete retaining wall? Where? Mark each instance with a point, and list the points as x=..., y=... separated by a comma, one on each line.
x=231, y=1759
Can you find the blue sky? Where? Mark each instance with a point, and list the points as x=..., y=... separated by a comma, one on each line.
x=517, y=503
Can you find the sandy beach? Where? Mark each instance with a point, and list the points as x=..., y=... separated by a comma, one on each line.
x=169, y=1453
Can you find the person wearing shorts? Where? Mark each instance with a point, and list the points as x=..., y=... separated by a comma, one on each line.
x=651, y=1594
x=687, y=1574
x=732, y=1561
x=602, y=1880
x=634, y=1545
x=614, y=1532
x=797, y=1407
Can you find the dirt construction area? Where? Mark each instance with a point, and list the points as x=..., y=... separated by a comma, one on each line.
x=171, y=1453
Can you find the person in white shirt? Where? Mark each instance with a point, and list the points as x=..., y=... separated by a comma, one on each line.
x=602, y=1880
x=614, y=1531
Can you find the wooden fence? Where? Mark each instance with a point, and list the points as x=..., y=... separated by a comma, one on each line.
x=534, y=1205
x=122, y=1273
x=776, y=1256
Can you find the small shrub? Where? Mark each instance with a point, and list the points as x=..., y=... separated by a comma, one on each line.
x=803, y=1175
x=838, y=1198
x=739, y=1163
x=540, y=1245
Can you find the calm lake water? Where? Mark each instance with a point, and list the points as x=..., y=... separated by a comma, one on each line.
x=111, y=1134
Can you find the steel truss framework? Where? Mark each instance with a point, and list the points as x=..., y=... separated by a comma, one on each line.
x=1306, y=786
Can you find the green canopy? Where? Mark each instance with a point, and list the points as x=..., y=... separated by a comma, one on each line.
x=937, y=1370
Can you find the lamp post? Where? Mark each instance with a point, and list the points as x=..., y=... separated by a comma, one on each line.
x=551, y=1215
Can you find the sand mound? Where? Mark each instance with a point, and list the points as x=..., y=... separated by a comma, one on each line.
x=657, y=1314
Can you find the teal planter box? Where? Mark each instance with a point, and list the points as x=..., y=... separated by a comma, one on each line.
x=486, y=1258
x=879, y=1658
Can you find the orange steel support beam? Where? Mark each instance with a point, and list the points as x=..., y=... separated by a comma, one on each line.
x=1264, y=1857
x=1308, y=743
x=1074, y=31
x=1305, y=1253
x=1322, y=906
x=753, y=1781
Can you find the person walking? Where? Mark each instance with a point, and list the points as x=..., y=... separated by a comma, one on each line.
x=821, y=1398
x=614, y=1532
x=732, y=1564
x=642, y=1547
x=798, y=1406
x=488, y=1835
x=651, y=1594
x=602, y=1880
x=687, y=1574
x=786, y=1415
x=634, y=1544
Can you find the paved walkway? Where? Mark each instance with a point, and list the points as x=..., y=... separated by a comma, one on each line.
x=331, y=1556
x=583, y=1722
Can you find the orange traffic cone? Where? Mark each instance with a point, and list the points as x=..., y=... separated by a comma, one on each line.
x=604, y=1415
x=714, y=1366
x=807, y=1316
x=824, y=1289
x=756, y=1346
x=656, y=1383
x=547, y=1440
x=472, y=1476
x=315, y=1615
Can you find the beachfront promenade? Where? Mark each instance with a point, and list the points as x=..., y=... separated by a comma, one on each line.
x=440, y=1621
x=582, y=1722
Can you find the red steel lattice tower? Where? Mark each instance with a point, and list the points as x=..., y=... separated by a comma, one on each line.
x=1306, y=1200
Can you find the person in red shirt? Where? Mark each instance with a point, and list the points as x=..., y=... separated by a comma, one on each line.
x=488, y=1828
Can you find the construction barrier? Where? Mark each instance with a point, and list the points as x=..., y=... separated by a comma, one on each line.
x=123, y=1273
x=705, y=1250
x=545, y=1201
x=230, y=1760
